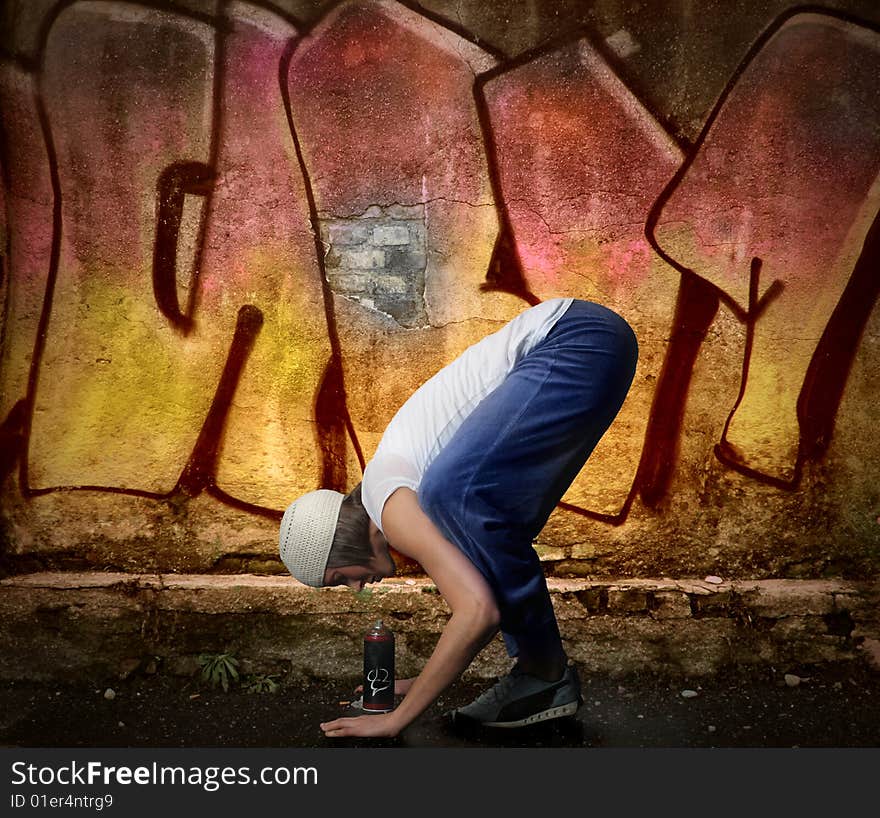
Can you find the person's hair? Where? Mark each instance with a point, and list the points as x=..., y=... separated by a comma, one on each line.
x=351, y=542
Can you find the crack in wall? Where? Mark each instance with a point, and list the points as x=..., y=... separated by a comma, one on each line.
x=326, y=214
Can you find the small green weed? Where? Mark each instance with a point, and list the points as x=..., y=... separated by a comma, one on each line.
x=261, y=683
x=219, y=669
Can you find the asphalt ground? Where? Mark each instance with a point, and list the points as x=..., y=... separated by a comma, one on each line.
x=827, y=706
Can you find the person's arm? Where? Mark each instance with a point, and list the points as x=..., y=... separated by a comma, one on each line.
x=474, y=619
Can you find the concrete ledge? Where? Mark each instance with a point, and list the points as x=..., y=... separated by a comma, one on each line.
x=105, y=625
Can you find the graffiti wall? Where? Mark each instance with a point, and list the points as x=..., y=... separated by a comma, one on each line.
x=237, y=236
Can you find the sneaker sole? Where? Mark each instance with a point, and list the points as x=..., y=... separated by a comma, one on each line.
x=558, y=712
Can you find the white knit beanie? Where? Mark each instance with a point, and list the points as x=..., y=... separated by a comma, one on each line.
x=307, y=530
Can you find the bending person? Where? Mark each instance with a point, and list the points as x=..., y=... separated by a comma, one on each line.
x=463, y=480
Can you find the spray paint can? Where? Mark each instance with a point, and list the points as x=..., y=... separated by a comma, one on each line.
x=378, y=669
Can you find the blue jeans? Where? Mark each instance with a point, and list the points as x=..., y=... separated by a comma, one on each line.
x=492, y=488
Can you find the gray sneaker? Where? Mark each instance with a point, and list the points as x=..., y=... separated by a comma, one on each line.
x=518, y=700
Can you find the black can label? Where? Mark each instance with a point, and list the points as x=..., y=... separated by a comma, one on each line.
x=379, y=675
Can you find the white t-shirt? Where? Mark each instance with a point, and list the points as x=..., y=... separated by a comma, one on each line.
x=434, y=412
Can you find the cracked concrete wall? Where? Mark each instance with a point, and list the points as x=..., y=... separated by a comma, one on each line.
x=100, y=625
x=238, y=235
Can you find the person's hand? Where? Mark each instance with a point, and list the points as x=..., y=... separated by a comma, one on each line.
x=378, y=725
x=401, y=687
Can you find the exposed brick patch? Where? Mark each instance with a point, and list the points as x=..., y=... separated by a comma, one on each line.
x=379, y=259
